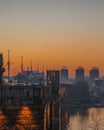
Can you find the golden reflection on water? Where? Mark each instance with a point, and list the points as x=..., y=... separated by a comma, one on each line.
x=45, y=117
x=26, y=119
x=93, y=115
x=48, y=116
x=2, y=119
x=96, y=113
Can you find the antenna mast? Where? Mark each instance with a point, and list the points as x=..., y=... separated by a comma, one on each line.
x=21, y=63
x=43, y=69
x=8, y=63
x=31, y=65
x=37, y=67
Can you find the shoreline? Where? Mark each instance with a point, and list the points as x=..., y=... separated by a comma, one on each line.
x=67, y=105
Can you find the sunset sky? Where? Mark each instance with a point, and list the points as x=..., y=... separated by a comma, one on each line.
x=53, y=33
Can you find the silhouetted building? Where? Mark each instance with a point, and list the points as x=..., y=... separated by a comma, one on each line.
x=30, y=77
x=24, y=95
x=80, y=73
x=64, y=75
x=1, y=69
x=99, y=82
x=53, y=80
x=94, y=73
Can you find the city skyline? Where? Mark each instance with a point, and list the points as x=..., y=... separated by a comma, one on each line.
x=42, y=69
x=53, y=33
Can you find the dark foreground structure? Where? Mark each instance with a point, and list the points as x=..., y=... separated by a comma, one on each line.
x=29, y=107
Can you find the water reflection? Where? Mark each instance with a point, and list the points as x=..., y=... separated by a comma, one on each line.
x=2, y=119
x=42, y=118
x=83, y=118
x=24, y=118
x=7, y=119
x=45, y=118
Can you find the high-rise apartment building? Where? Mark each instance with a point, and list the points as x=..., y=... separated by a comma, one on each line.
x=64, y=75
x=80, y=73
x=53, y=80
x=94, y=73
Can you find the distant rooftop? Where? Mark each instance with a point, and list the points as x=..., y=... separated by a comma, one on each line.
x=95, y=68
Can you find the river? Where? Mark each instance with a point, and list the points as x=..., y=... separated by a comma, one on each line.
x=35, y=118
x=82, y=118
x=24, y=118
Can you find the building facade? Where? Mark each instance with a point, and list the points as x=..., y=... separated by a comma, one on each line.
x=24, y=95
x=80, y=73
x=94, y=73
x=53, y=80
x=64, y=75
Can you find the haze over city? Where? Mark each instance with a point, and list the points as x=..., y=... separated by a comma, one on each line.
x=53, y=33
x=52, y=64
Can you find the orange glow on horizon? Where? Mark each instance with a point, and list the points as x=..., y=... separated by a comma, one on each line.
x=53, y=34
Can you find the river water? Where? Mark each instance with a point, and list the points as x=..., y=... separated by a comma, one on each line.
x=35, y=118
x=24, y=118
x=82, y=118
